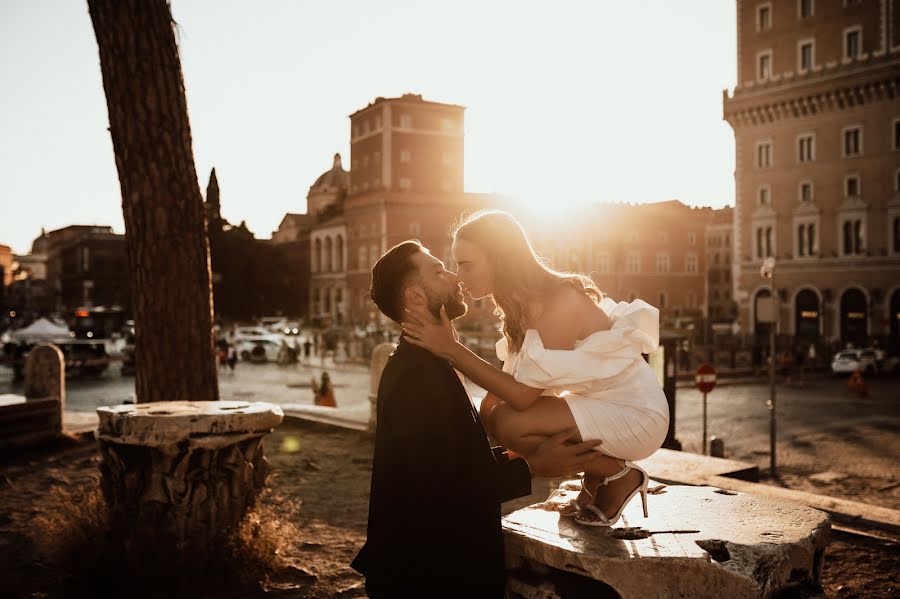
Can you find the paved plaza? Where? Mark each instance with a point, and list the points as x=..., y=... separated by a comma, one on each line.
x=823, y=432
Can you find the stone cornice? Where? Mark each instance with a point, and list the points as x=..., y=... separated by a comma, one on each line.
x=829, y=92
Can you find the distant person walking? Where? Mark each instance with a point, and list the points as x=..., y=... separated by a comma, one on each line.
x=324, y=392
x=232, y=356
x=307, y=348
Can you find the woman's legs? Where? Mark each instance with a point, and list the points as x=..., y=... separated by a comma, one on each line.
x=523, y=431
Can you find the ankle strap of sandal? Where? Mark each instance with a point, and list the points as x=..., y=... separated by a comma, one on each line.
x=616, y=476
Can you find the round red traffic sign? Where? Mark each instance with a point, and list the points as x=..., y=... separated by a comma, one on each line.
x=705, y=379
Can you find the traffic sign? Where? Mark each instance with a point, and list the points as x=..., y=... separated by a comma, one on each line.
x=705, y=379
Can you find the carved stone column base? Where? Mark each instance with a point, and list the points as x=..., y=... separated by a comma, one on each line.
x=180, y=476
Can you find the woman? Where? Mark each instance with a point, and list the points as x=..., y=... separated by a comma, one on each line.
x=571, y=360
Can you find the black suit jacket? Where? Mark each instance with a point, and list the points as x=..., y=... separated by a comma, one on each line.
x=434, y=509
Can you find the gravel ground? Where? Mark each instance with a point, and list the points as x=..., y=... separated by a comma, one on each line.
x=320, y=489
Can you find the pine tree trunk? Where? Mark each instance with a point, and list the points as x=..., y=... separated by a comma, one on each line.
x=167, y=246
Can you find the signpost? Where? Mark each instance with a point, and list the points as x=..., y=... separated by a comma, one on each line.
x=705, y=380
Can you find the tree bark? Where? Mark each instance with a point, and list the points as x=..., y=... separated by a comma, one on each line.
x=167, y=244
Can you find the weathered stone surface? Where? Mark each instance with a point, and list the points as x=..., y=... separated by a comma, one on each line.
x=697, y=542
x=180, y=476
x=38, y=415
x=200, y=423
x=681, y=467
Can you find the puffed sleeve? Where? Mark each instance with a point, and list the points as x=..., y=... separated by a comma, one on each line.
x=602, y=355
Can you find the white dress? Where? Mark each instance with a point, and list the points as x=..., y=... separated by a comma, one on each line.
x=611, y=391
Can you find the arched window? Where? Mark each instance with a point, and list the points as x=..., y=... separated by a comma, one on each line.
x=329, y=249
x=896, y=235
x=801, y=240
x=768, y=241
x=339, y=253
x=759, y=243
x=317, y=257
x=811, y=239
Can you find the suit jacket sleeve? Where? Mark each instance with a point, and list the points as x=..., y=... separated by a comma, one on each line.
x=427, y=426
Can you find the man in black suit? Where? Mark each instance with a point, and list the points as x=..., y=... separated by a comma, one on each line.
x=437, y=484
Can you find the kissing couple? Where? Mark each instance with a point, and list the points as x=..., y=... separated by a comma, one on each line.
x=574, y=396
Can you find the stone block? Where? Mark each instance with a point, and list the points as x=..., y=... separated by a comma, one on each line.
x=37, y=415
x=697, y=542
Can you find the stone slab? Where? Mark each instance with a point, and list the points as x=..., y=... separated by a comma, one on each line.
x=852, y=513
x=203, y=423
x=680, y=467
x=697, y=542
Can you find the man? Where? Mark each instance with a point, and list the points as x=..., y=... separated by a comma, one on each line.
x=434, y=509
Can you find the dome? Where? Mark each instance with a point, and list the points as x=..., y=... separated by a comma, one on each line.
x=335, y=179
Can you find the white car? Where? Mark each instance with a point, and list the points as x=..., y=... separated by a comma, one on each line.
x=258, y=349
x=849, y=361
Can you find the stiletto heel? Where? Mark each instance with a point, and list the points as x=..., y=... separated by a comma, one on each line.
x=602, y=519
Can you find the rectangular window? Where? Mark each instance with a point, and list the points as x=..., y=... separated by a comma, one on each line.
x=405, y=121
x=405, y=156
x=662, y=263
x=764, y=66
x=663, y=299
x=852, y=144
x=764, y=17
x=806, y=147
x=663, y=237
x=806, y=57
x=633, y=265
x=692, y=238
x=690, y=263
x=405, y=184
x=806, y=8
x=764, y=199
x=764, y=154
x=851, y=186
x=806, y=192
x=602, y=261
x=852, y=42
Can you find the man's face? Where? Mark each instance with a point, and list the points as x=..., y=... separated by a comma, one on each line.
x=440, y=286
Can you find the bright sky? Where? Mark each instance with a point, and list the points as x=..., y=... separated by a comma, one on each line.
x=567, y=102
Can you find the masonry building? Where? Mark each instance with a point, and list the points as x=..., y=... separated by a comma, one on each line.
x=816, y=120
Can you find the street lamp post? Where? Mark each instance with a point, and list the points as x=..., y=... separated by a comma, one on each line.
x=767, y=271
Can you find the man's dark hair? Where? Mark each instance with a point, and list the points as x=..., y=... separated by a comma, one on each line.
x=391, y=275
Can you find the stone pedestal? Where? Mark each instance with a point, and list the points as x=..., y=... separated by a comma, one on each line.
x=180, y=476
x=698, y=542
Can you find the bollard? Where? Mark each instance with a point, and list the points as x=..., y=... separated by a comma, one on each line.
x=716, y=447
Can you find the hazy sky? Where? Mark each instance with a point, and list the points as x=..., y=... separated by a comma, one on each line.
x=567, y=101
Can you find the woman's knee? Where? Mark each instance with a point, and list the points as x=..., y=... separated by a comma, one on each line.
x=508, y=425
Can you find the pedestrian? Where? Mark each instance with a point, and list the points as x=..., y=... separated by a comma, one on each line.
x=324, y=392
x=232, y=356
x=307, y=348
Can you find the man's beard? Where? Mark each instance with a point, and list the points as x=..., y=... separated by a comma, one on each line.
x=453, y=302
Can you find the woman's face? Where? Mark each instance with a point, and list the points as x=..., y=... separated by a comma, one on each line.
x=473, y=270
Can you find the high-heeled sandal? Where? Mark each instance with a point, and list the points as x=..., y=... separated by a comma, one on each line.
x=573, y=507
x=601, y=518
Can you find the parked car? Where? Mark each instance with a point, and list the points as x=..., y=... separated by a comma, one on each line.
x=258, y=349
x=851, y=360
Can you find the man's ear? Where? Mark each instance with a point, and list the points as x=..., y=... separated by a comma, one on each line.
x=414, y=295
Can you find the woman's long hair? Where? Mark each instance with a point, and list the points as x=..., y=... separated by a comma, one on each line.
x=519, y=274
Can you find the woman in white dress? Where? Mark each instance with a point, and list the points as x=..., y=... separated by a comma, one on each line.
x=571, y=361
